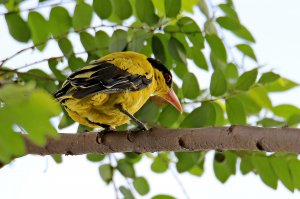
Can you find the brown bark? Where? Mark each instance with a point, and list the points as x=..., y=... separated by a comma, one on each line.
x=160, y=139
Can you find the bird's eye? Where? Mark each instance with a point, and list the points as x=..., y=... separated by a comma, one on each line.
x=168, y=78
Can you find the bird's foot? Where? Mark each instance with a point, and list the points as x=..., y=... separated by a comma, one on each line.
x=101, y=135
x=132, y=132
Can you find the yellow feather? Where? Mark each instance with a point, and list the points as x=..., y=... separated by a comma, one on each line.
x=101, y=108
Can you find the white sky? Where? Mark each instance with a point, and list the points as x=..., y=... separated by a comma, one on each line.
x=275, y=26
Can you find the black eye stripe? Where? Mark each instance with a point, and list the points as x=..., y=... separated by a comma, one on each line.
x=163, y=69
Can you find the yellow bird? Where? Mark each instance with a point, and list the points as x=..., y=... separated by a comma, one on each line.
x=108, y=91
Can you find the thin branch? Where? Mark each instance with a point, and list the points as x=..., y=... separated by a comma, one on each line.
x=184, y=191
x=113, y=181
x=220, y=30
x=160, y=139
x=5, y=70
x=2, y=62
x=38, y=7
x=57, y=58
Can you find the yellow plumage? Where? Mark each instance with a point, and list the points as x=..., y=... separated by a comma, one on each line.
x=103, y=107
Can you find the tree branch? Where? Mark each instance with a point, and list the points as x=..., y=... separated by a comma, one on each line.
x=160, y=139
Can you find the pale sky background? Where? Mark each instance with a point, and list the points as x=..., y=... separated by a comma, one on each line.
x=275, y=26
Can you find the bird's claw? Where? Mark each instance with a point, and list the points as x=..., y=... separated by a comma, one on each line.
x=101, y=134
x=130, y=134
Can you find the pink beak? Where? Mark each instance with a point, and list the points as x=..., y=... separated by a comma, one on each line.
x=173, y=100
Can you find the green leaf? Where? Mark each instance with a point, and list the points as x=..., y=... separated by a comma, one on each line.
x=122, y=8
x=203, y=8
x=200, y=117
x=17, y=27
x=260, y=96
x=220, y=120
x=293, y=120
x=88, y=41
x=190, y=86
x=229, y=11
x=57, y=158
x=58, y=73
x=172, y=8
x=246, y=50
x=246, y=165
x=106, y=172
x=218, y=83
x=188, y=26
x=75, y=62
x=39, y=28
x=228, y=23
x=246, y=80
x=180, y=70
x=217, y=47
x=83, y=14
x=158, y=49
x=285, y=110
x=188, y=5
x=270, y=122
x=65, y=120
x=162, y=196
x=294, y=168
x=281, y=84
x=199, y=58
x=159, y=6
x=138, y=39
x=268, y=77
x=198, y=169
x=235, y=111
x=141, y=185
x=65, y=46
x=118, y=41
x=33, y=110
x=95, y=157
x=149, y=113
x=281, y=169
x=126, y=193
x=41, y=78
x=210, y=28
x=161, y=163
x=265, y=170
x=146, y=12
x=60, y=21
x=249, y=104
x=244, y=33
x=224, y=165
x=169, y=116
x=126, y=168
x=186, y=160
x=102, y=42
x=103, y=8
x=231, y=74
x=133, y=157
x=177, y=50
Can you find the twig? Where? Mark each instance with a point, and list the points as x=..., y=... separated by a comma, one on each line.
x=176, y=177
x=227, y=46
x=28, y=74
x=62, y=36
x=57, y=58
x=113, y=181
x=38, y=7
x=184, y=191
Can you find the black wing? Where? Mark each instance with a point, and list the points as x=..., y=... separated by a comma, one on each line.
x=101, y=77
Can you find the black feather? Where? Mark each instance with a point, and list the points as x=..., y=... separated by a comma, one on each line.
x=107, y=78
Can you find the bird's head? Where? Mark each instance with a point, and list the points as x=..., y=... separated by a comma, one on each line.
x=163, y=78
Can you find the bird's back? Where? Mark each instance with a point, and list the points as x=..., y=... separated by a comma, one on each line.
x=91, y=105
